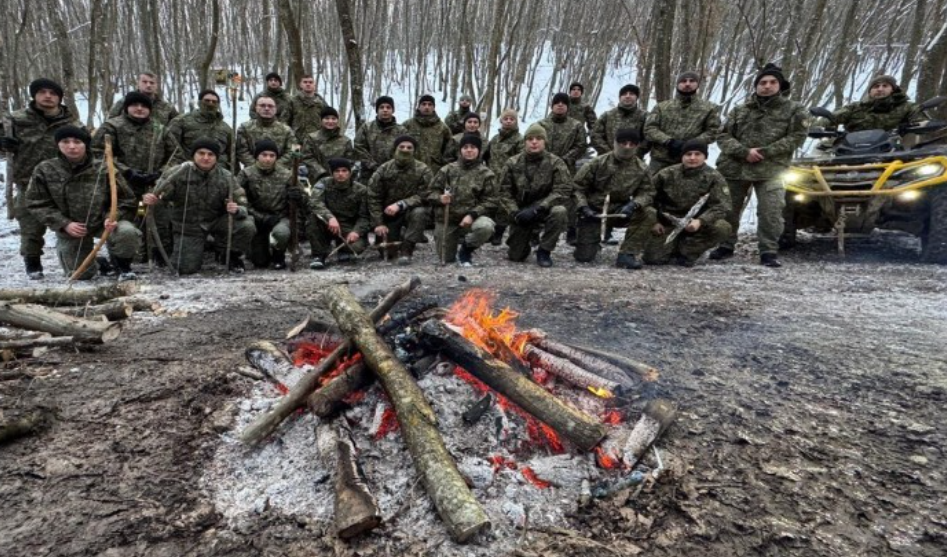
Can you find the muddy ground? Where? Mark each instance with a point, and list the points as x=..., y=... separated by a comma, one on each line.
x=812, y=408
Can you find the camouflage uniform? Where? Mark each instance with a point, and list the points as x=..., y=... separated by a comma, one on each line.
x=879, y=114
x=622, y=181
x=455, y=120
x=197, y=201
x=682, y=118
x=188, y=128
x=567, y=139
x=620, y=117
x=503, y=146
x=323, y=145
x=279, y=96
x=582, y=111
x=254, y=130
x=395, y=182
x=302, y=114
x=265, y=189
x=374, y=144
x=453, y=148
x=433, y=137
x=140, y=146
x=61, y=193
x=677, y=189
x=161, y=110
x=35, y=132
x=348, y=203
x=473, y=192
x=777, y=126
x=542, y=180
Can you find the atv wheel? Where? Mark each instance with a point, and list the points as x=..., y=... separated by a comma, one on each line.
x=934, y=239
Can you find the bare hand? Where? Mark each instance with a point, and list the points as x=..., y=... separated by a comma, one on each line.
x=468, y=220
x=381, y=230
x=657, y=229
x=352, y=237
x=232, y=207
x=150, y=199
x=445, y=199
x=692, y=226
x=75, y=229
x=754, y=156
x=392, y=209
x=110, y=225
x=334, y=227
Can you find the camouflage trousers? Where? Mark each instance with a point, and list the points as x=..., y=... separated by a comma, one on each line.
x=690, y=245
x=122, y=243
x=588, y=236
x=477, y=235
x=267, y=239
x=322, y=241
x=31, y=229
x=518, y=243
x=407, y=227
x=188, y=256
x=770, y=202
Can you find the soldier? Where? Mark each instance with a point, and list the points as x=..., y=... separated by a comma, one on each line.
x=506, y=144
x=264, y=126
x=394, y=200
x=579, y=109
x=678, y=120
x=338, y=213
x=274, y=90
x=161, y=110
x=70, y=195
x=621, y=179
x=677, y=189
x=373, y=140
x=886, y=108
x=267, y=186
x=303, y=113
x=201, y=193
x=533, y=190
x=756, y=146
x=205, y=122
x=455, y=119
x=472, y=123
x=466, y=191
x=626, y=115
x=327, y=143
x=568, y=140
x=433, y=135
x=31, y=141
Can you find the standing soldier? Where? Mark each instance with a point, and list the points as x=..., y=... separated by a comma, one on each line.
x=338, y=213
x=472, y=123
x=70, y=194
x=578, y=108
x=615, y=183
x=455, y=119
x=394, y=200
x=432, y=134
x=274, y=90
x=534, y=188
x=161, y=110
x=31, y=140
x=678, y=120
x=756, y=146
x=205, y=122
x=303, y=113
x=506, y=144
x=201, y=194
x=567, y=140
x=374, y=139
x=267, y=186
x=327, y=143
x=466, y=191
x=678, y=189
x=264, y=126
x=627, y=115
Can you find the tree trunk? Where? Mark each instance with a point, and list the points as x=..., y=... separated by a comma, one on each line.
x=203, y=70
x=113, y=311
x=39, y=318
x=932, y=65
x=68, y=66
x=96, y=37
x=294, y=37
x=496, y=39
x=69, y=296
x=353, y=53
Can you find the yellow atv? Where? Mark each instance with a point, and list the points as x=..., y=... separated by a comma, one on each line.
x=859, y=181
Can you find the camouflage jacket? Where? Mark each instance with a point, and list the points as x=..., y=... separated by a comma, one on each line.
x=265, y=190
x=61, y=193
x=433, y=137
x=197, y=198
x=161, y=110
x=620, y=180
x=252, y=131
x=603, y=134
x=347, y=202
x=567, y=139
x=776, y=125
x=453, y=148
x=375, y=142
x=472, y=187
x=279, y=96
x=501, y=148
x=188, y=128
x=677, y=189
x=37, y=143
x=682, y=118
x=323, y=145
x=302, y=114
x=392, y=183
x=582, y=111
x=541, y=179
x=881, y=114
x=455, y=120
x=141, y=146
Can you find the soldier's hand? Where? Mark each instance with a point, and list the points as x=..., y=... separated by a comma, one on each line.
x=468, y=220
x=334, y=226
x=9, y=143
x=754, y=156
x=381, y=230
x=294, y=194
x=629, y=208
x=150, y=199
x=526, y=216
x=110, y=225
x=674, y=147
x=392, y=209
x=588, y=213
x=657, y=229
x=232, y=207
x=693, y=226
x=445, y=199
x=352, y=237
x=75, y=229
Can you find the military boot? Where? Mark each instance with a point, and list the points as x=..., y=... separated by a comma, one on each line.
x=465, y=255
x=317, y=263
x=237, y=266
x=156, y=257
x=770, y=260
x=407, y=252
x=34, y=267
x=627, y=261
x=106, y=269
x=543, y=258
x=721, y=252
x=278, y=260
x=125, y=272
x=497, y=238
x=571, y=235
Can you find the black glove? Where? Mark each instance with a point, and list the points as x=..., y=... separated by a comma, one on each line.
x=526, y=216
x=674, y=147
x=270, y=222
x=9, y=143
x=629, y=208
x=588, y=213
x=150, y=178
x=294, y=194
x=135, y=178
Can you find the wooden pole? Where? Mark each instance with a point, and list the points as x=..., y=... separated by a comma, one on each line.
x=39, y=318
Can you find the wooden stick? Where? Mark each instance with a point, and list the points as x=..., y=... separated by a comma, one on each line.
x=356, y=510
x=139, y=303
x=658, y=415
x=327, y=400
x=39, y=318
x=584, y=360
x=112, y=311
x=632, y=367
x=69, y=296
x=571, y=373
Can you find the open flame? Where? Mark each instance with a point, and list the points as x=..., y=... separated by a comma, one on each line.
x=474, y=316
x=601, y=393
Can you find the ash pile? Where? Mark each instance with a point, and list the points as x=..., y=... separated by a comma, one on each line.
x=430, y=427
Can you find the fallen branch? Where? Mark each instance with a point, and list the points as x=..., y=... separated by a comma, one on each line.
x=39, y=318
x=571, y=373
x=633, y=368
x=328, y=399
x=69, y=296
x=584, y=360
x=112, y=311
x=139, y=303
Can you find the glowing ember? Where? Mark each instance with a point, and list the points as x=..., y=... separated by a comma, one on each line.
x=312, y=353
x=612, y=417
x=601, y=393
x=607, y=461
x=389, y=424
x=499, y=461
x=534, y=479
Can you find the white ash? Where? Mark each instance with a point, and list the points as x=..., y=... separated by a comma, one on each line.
x=640, y=438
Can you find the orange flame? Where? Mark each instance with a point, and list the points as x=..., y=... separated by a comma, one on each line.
x=473, y=314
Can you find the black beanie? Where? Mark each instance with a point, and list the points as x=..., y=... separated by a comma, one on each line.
x=136, y=97
x=384, y=99
x=402, y=138
x=630, y=88
x=328, y=111
x=426, y=98
x=577, y=84
x=337, y=163
x=694, y=145
x=206, y=92
x=206, y=143
x=560, y=98
x=688, y=75
x=775, y=71
x=471, y=139
x=472, y=115
x=274, y=75
x=44, y=83
x=74, y=132
x=265, y=145
x=627, y=134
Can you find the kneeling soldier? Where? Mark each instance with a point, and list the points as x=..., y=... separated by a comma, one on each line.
x=267, y=186
x=71, y=195
x=338, y=213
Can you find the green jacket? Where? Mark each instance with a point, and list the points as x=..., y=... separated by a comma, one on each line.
x=375, y=142
x=197, y=198
x=161, y=110
x=677, y=189
x=502, y=147
x=603, y=134
x=473, y=189
x=775, y=125
x=582, y=111
x=541, y=179
x=347, y=202
x=879, y=114
x=252, y=131
x=323, y=145
x=37, y=142
x=279, y=96
x=61, y=193
x=392, y=183
x=302, y=114
x=265, y=190
x=455, y=120
x=433, y=137
x=620, y=180
x=142, y=146
x=681, y=118
x=188, y=128
x=567, y=138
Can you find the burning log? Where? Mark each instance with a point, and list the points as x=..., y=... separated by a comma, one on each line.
x=443, y=482
x=296, y=398
x=473, y=414
x=39, y=318
x=634, y=369
x=658, y=415
x=328, y=399
x=112, y=311
x=23, y=426
x=579, y=428
x=571, y=373
x=356, y=510
x=584, y=360
x=69, y=296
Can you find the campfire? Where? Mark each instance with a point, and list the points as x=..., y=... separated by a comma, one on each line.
x=502, y=426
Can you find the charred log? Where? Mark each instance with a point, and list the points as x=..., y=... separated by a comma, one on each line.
x=356, y=510
x=571, y=373
x=329, y=399
x=634, y=368
x=658, y=415
x=598, y=366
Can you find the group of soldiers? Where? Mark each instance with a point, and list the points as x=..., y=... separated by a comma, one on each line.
x=301, y=177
